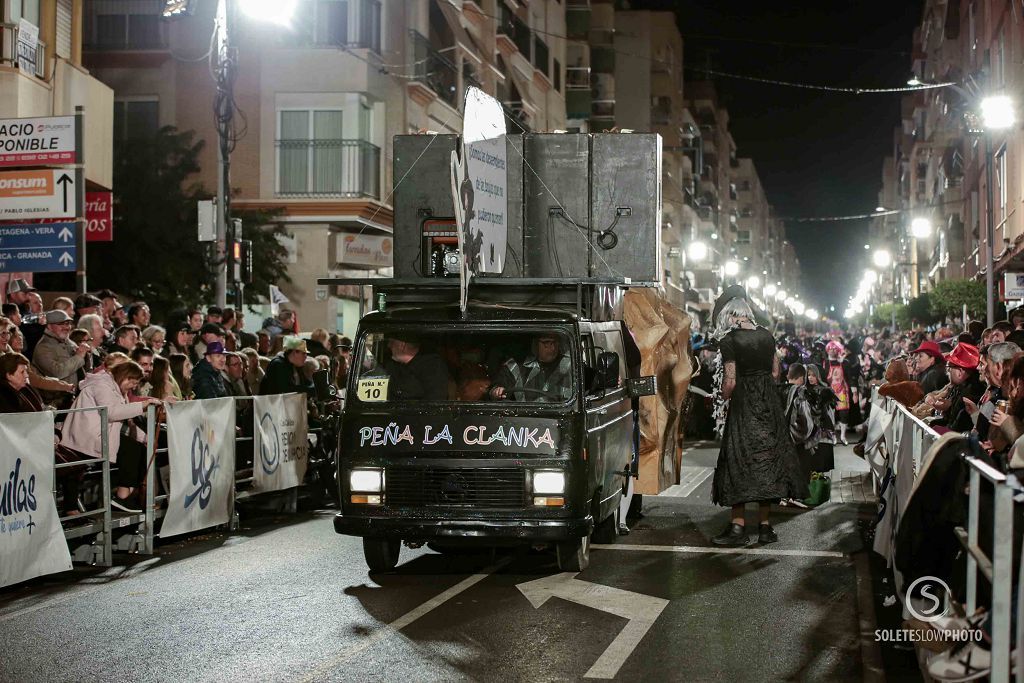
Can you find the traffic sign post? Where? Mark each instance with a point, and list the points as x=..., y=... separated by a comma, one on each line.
x=38, y=247
x=80, y=233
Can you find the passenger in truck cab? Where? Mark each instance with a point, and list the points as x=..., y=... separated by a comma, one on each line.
x=413, y=373
x=544, y=377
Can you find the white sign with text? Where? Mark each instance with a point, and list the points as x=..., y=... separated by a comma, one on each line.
x=280, y=448
x=32, y=541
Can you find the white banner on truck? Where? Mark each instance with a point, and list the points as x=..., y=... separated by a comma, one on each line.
x=32, y=541
x=201, y=450
x=280, y=447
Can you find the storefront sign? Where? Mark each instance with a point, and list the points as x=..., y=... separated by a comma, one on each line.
x=99, y=216
x=1013, y=284
x=36, y=194
x=365, y=250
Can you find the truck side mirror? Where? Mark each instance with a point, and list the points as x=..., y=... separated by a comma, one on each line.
x=642, y=386
x=607, y=370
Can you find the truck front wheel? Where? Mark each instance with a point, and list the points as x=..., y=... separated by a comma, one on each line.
x=573, y=555
x=381, y=553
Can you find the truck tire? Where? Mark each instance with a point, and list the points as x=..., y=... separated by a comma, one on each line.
x=573, y=555
x=381, y=554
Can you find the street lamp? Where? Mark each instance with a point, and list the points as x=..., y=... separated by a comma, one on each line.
x=997, y=112
x=781, y=295
x=921, y=228
x=882, y=258
x=770, y=290
x=732, y=268
x=753, y=282
x=698, y=251
x=273, y=11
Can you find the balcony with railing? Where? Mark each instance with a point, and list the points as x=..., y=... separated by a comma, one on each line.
x=515, y=29
x=434, y=70
x=9, y=51
x=328, y=168
x=577, y=19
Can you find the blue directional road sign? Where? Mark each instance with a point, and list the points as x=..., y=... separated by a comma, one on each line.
x=37, y=248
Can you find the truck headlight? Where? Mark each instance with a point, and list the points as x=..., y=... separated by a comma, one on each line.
x=547, y=482
x=366, y=480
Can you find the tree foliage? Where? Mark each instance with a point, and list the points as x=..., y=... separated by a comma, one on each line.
x=155, y=255
x=919, y=310
x=949, y=297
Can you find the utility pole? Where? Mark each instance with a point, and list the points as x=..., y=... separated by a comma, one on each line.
x=990, y=236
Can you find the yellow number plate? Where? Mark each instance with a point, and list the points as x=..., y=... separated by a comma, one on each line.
x=373, y=389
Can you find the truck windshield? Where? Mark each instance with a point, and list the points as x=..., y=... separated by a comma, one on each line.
x=531, y=366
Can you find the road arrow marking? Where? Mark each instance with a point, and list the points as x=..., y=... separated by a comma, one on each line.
x=64, y=181
x=641, y=611
x=65, y=235
x=65, y=259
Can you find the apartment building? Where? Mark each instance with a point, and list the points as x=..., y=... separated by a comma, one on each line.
x=42, y=74
x=937, y=169
x=322, y=98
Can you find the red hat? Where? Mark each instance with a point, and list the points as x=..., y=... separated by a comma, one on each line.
x=964, y=356
x=931, y=348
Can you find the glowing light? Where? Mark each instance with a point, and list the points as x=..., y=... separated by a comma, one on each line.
x=882, y=258
x=997, y=112
x=698, y=251
x=271, y=11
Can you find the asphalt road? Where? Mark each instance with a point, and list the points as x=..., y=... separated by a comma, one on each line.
x=289, y=600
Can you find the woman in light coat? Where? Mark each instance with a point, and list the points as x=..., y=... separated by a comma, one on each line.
x=83, y=431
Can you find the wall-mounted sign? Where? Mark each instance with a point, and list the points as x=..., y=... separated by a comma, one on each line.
x=365, y=250
x=37, y=142
x=1013, y=284
x=28, y=45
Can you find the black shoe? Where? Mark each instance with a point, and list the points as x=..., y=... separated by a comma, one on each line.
x=766, y=534
x=733, y=535
x=623, y=529
x=123, y=504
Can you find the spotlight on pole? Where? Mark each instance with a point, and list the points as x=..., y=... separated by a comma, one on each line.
x=698, y=251
x=882, y=258
x=921, y=228
x=271, y=11
x=997, y=112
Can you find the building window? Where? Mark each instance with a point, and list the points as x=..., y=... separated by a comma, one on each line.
x=136, y=119
x=557, y=75
x=1000, y=181
x=347, y=23
x=313, y=157
x=133, y=25
x=23, y=9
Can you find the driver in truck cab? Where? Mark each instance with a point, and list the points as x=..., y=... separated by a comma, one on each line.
x=414, y=374
x=543, y=377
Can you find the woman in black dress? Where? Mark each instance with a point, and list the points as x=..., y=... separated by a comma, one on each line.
x=757, y=461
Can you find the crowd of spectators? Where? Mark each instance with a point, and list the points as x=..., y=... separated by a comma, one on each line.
x=93, y=351
x=965, y=383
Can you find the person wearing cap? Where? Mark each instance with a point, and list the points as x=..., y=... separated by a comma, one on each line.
x=284, y=373
x=17, y=294
x=965, y=383
x=55, y=355
x=207, y=381
x=208, y=333
x=929, y=366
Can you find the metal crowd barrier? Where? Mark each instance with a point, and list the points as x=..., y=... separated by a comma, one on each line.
x=998, y=569
x=101, y=523
x=906, y=440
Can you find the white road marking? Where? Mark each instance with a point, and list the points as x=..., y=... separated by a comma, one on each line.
x=403, y=621
x=718, y=551
x=641, y=611
x=689, y=479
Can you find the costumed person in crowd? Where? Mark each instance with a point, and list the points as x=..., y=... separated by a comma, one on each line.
x=835, y=375
x=757, y=461
x=823, y=402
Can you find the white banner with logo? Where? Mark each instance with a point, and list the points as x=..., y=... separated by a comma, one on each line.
x=32, y=542
x=280, y=447
x=201, y=451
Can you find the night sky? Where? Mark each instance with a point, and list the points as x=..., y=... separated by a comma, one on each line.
x=817, y=153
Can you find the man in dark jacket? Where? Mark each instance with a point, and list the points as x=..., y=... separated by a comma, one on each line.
x=929, y=365
x=284, y=373
x=207, y=381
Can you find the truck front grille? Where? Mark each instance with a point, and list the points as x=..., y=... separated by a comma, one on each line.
x=455, y=487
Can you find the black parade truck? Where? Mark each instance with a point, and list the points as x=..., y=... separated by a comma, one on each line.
x=506, y=416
